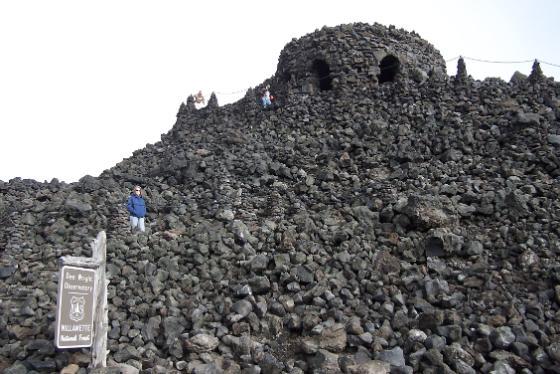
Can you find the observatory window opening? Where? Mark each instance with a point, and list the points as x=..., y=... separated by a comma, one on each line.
x=389, y=67
x=323, y=73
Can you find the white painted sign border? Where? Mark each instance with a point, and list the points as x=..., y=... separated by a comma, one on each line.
x=59, y=307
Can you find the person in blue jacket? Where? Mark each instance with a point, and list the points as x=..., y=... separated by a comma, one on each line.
x=137, y=209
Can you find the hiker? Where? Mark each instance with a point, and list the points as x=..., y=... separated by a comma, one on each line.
x=266, y=97
x=199, y=98
x=137, y=208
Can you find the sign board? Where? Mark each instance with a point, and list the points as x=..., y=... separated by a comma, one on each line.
x=74, y=312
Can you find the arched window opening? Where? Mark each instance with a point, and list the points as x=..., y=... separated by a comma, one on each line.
x=323, y=73
x=389, y=67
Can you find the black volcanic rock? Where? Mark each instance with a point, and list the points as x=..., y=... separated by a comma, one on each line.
x=380, y=216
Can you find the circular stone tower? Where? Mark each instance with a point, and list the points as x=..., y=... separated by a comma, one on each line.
x=354, y=56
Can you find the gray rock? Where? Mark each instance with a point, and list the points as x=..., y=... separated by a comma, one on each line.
x=225, y=215
x=126, y=353
x=454, y=353
x=518, y=77
x=172, y=328
x=370, y=367
x=16, y=368
x=553, y=351
x=7, y=271
x=386, y=263
x=417, y=335
x=516, y=202
x=434, y=357
x=259, y=262
x=242, y=307
x=502, y=337
x=333, y=339
x=451, y=332
x=151, y=330
x=41, y=346
x=501, y=367
x=474, y=248
x=427, y=212
x=462, y=367
x=442, y=242
x=211, y=368
x=528, y=258
x=78, y=206
x=324, y=361
x=395, y=357
x=554, y=139
x=259, y=285
x=201, y=343
x=430, y=320
x=354, y=326
x=435, y=342
x=253, y=369
x=304, y=275
x=270, y=364
x=435, y=288
x=118, y=369
x=526, y=119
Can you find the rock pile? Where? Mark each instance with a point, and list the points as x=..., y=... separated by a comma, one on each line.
x=383, y=218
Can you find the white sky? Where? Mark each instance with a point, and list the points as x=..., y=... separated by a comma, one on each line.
x=85, y=83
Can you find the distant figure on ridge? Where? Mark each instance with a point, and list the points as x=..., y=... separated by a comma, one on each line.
x=266, y=97
x=137, y=208
x=199, y=99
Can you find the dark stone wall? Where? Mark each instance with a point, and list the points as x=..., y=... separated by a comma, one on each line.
x=354, y=54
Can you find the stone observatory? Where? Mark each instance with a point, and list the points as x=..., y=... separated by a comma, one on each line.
x=356, y=56
x=381, y=217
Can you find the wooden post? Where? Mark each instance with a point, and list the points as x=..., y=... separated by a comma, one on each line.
x=101, y=322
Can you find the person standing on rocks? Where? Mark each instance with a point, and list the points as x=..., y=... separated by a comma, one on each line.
x=137, y=208
x=266, y=97
x=199, y=98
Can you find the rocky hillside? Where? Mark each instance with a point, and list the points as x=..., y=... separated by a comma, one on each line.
x=382, y=217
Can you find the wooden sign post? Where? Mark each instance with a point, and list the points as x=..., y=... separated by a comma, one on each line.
x=82, y=303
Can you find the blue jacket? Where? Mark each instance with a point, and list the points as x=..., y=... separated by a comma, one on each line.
x=136, y=206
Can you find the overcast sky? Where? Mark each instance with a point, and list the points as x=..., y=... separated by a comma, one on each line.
x=85, y=83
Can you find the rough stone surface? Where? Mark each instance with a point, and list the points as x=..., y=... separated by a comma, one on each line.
x=201, y=343
x=380, y=213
